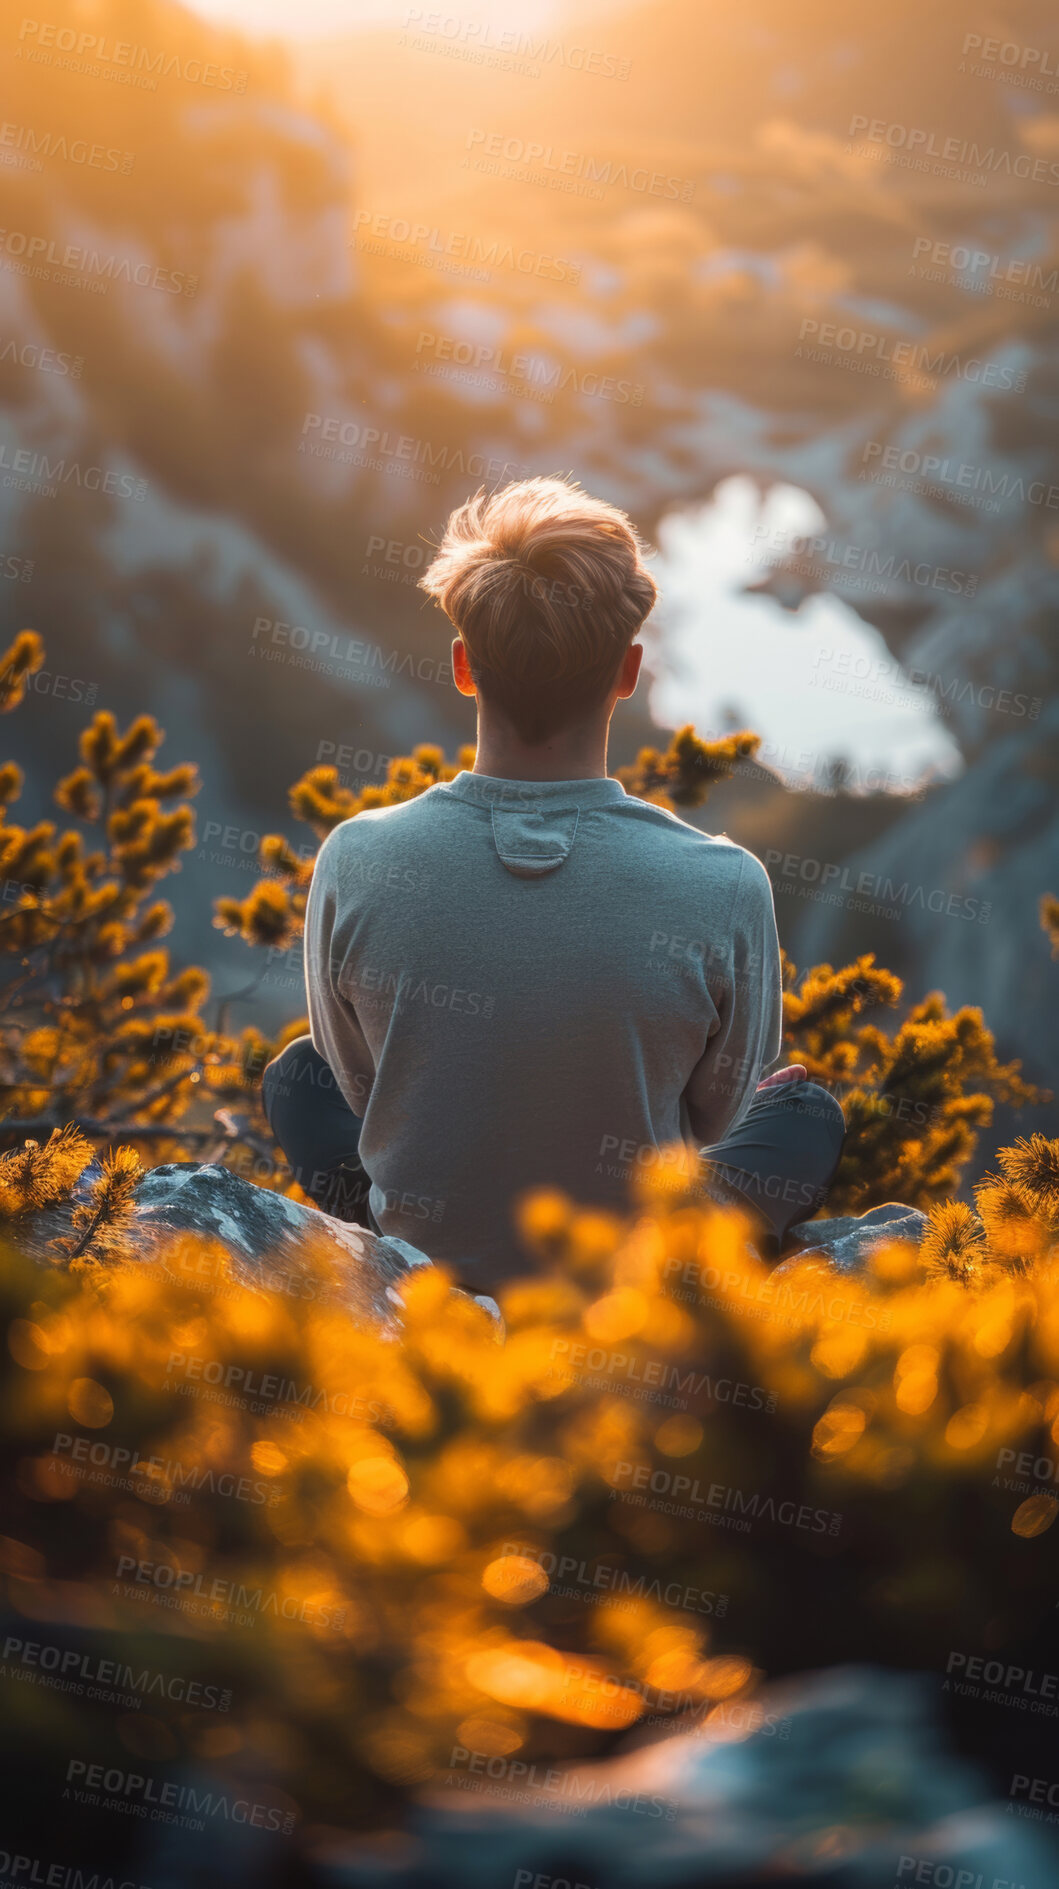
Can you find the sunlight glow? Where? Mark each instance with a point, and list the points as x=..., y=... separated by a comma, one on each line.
x=324, y=19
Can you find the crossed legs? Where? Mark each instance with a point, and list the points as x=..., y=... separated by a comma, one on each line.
x=779, y=1160
x=317, y=1130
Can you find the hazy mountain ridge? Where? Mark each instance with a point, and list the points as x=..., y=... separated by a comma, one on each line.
x=302, y=419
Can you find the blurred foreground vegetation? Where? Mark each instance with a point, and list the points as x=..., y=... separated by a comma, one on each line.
x=677, y=1471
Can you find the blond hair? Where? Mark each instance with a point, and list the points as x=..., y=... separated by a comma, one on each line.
x=547, y=588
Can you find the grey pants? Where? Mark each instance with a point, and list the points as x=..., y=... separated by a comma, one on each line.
x=779, y=1161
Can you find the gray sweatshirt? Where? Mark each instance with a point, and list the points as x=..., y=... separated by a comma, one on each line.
x=525, y=984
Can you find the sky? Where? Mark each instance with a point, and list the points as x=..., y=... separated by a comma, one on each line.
x=814, y=683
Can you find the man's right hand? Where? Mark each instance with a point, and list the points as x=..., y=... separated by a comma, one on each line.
x=780, y=1077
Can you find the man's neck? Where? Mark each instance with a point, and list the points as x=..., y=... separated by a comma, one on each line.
x=574, y=754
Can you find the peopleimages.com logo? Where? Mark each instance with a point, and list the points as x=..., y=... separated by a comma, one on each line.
x=155, y=1794
x=671, y=1491
x=45, y=360
x=162, y=1477
x=974, y=1676
x=819, y=555
x=966, y=482
x=36, y=1869
x=250, y=1389
x=518, y=374
x=1031, y=63
x=481, y=42
x=428, y=242
x=832, y=878
x=912, y=357
x=76, y=265
x=959, y=259
x=918, y=144
x=525, y=1781
x=570, y=1578
x=54, y=144
x=564, y=169
x=69, y=1670
x=398, y=450
x=196, y=1591
x=926, y=1870
x=89, y=52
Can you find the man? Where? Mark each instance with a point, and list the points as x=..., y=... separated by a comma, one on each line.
x=526, y=977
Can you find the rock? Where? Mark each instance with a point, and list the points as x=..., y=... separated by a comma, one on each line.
x=847, y=1244
x=952, y=896
x=266, y=1236
x=848, y=1773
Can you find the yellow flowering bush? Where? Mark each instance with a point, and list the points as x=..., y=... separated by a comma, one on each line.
x=385, y=1549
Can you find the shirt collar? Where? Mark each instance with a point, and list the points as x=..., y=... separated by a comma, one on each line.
x=492, y=790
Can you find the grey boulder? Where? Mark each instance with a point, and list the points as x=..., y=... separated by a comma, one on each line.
x=847, y=1244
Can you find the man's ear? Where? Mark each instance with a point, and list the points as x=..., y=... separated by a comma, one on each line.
x=629, y=673
x=461, y=668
